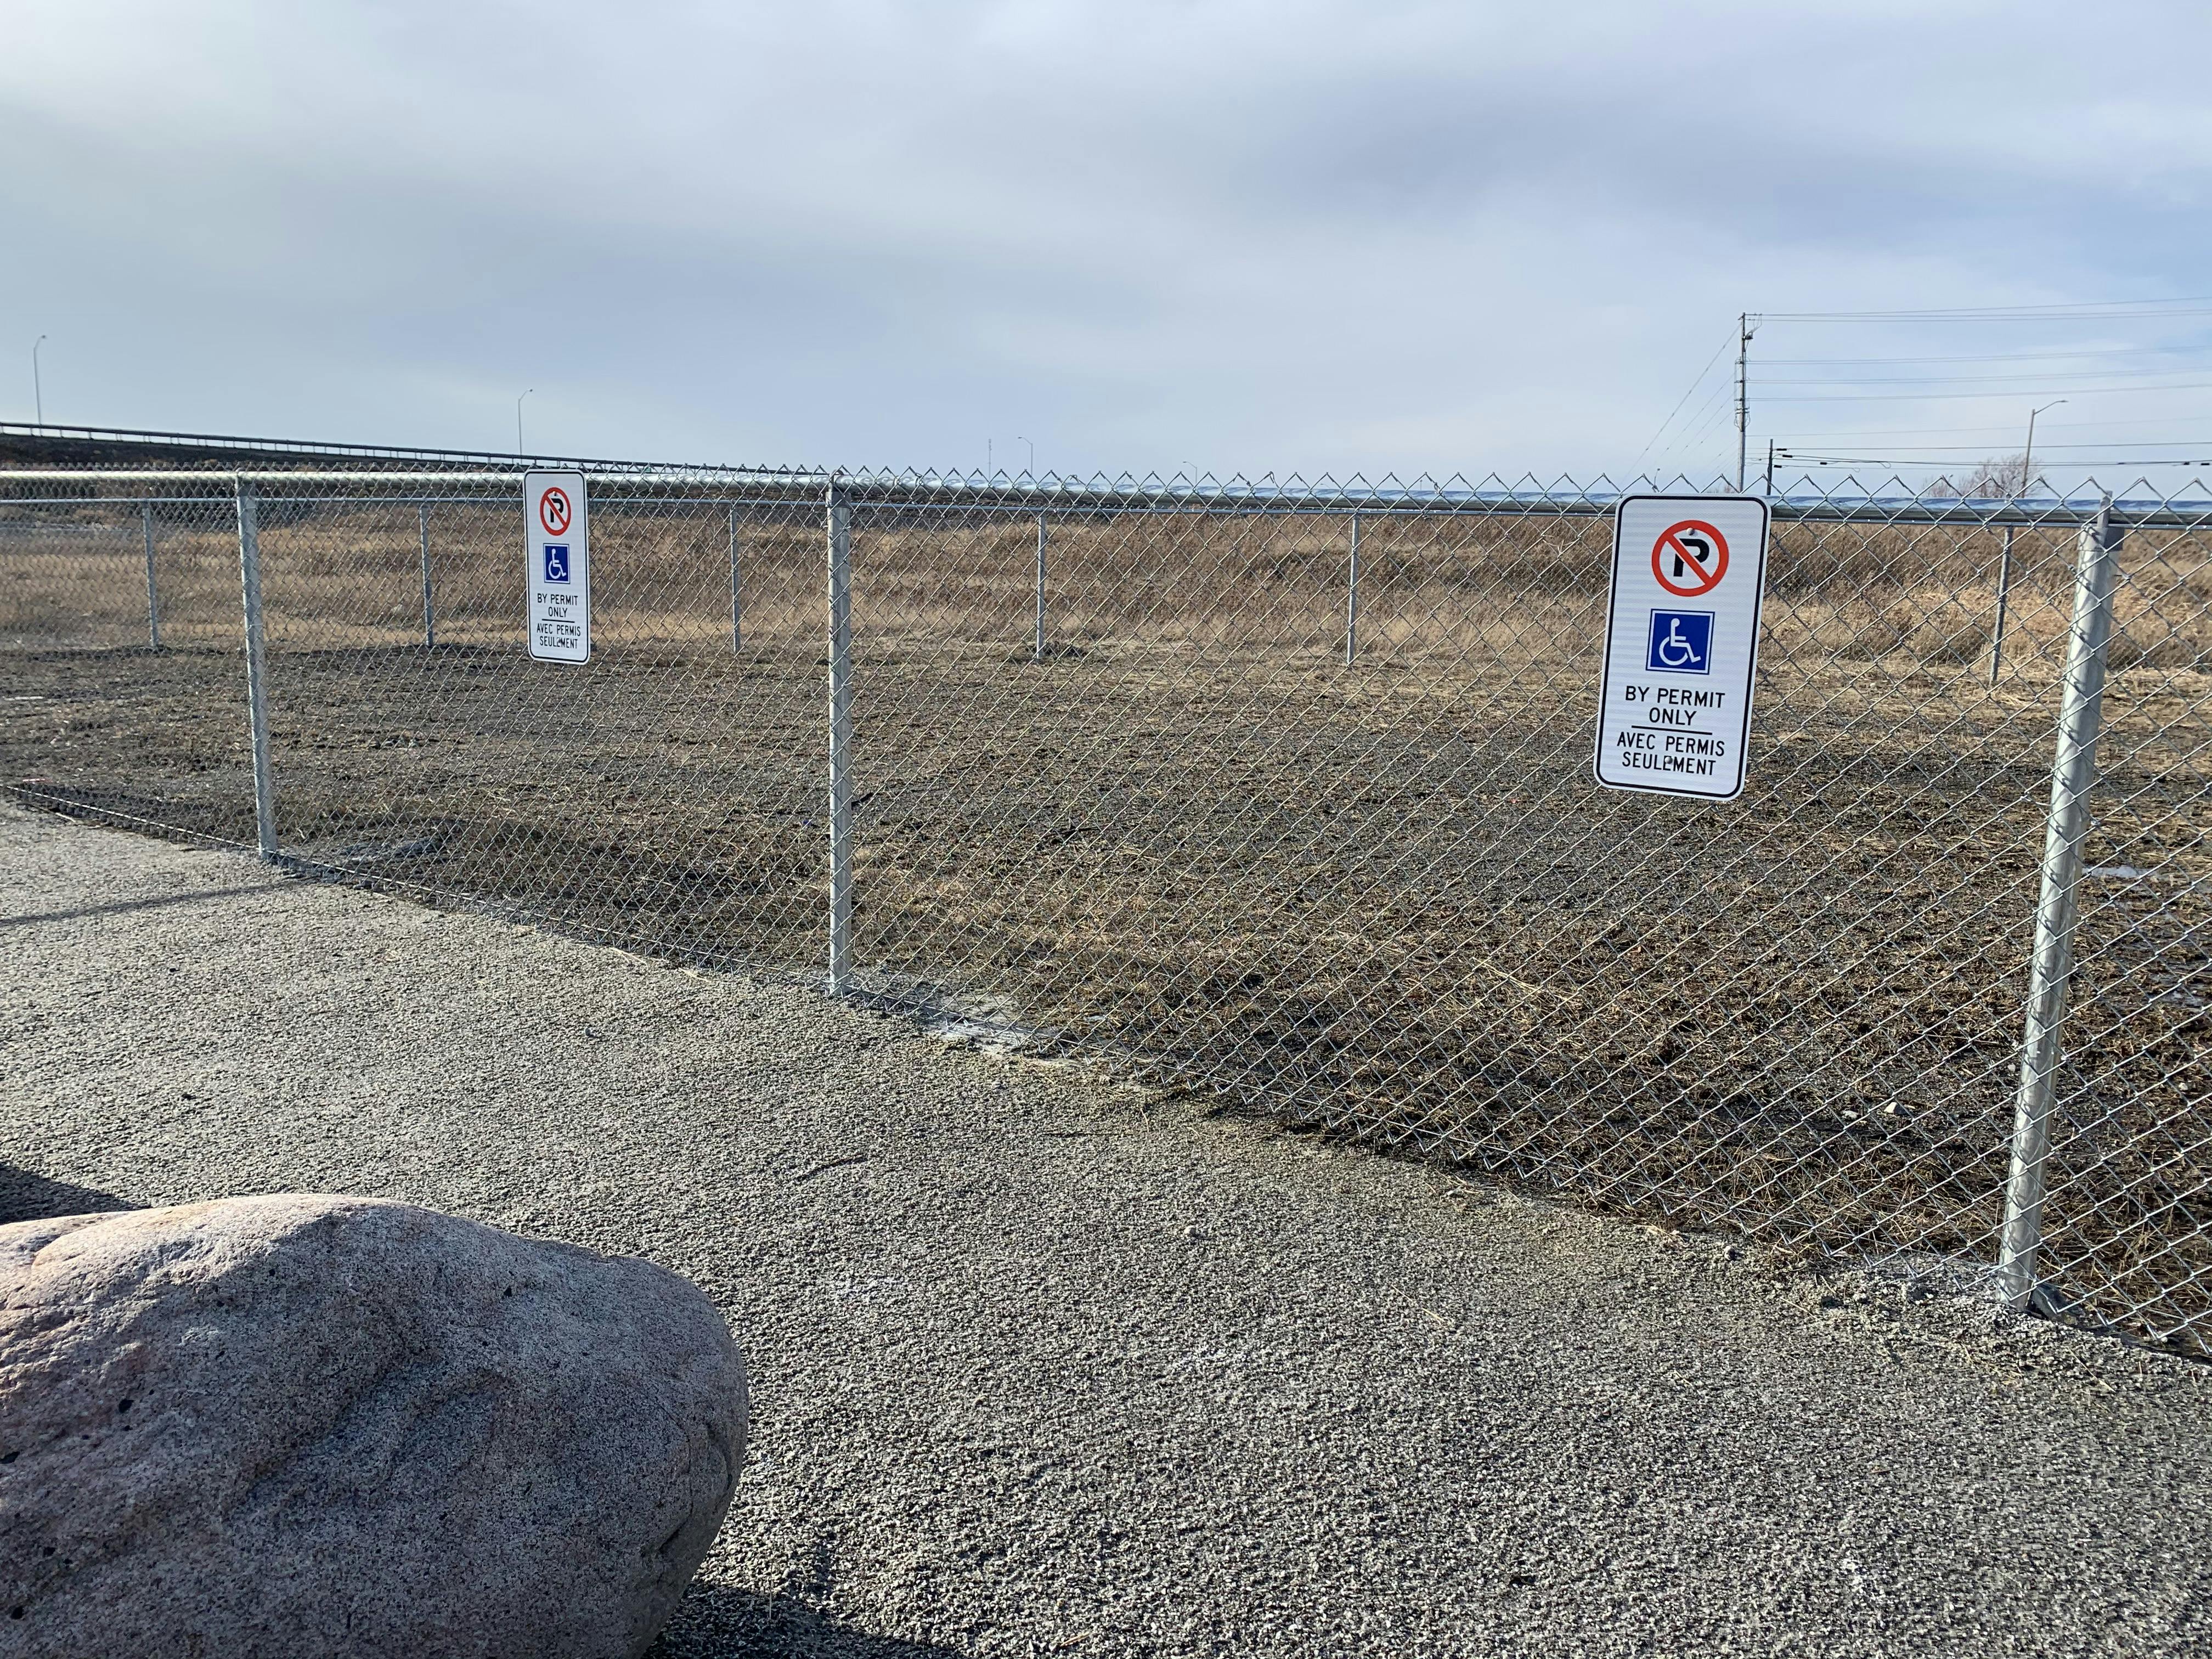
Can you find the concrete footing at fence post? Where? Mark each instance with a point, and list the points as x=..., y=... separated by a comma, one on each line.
x=256, y=669
x=2073, y=775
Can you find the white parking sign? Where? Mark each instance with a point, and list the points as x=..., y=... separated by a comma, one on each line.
x=1681, y=641
x=557, y=565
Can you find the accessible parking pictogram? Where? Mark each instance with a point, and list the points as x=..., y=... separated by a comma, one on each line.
x=1689, y=558
x=1681, y=642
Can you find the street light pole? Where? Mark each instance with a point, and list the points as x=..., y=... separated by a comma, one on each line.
x=38, y=388
x=2004, y=555
x=2027, y=455
x=1020, y=440
x=517, y=420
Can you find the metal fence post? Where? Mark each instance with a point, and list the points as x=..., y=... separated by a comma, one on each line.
x=2073, y=775
x=2004, y=597
x=841, y=740
x=737, y=591
x=1037, y=654
x=257, y=670
x=153, y=594
x=1352, y=599
x=429, y=614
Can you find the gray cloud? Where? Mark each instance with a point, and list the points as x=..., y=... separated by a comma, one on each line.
x=1258, y=237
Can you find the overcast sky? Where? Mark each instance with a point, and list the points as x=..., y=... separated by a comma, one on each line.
x=1318, y=238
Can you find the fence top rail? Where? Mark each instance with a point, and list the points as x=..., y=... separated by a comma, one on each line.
x=208, y=449
x=924, y=493
x=394, y=498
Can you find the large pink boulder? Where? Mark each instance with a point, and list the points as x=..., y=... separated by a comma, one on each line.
x=304, y=1425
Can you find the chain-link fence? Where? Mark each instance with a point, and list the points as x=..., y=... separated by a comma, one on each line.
x=1284, y=793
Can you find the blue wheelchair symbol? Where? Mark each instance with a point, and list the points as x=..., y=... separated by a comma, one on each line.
x=1681, y=642
x=556, y=561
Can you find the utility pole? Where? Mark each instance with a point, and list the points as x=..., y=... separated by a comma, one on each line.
x=1743, y=333
x=38, y=390
x=1770, y=466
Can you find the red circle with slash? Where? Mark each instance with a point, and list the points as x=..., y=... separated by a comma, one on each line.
x=1689, y=558
x=553, y=511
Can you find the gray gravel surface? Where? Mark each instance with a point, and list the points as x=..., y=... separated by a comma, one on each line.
x=1044, y=1364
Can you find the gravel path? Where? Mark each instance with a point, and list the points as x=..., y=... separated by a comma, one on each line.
x=1041, y=1364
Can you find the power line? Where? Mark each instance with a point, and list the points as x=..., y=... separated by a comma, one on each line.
x=2040, y=448
x=1709, y=415
x=1685, y=398
x=2077, y=369
x=1994, y=431
x=1898, y=458
x=1700, y=424
x=1993, y=356
x=1946, y=397
x=2192, y=306
x=1986, y=379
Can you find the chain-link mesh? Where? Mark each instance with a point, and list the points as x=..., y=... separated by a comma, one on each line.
x=120, y=619
x=665, y=797
x=1284, y=793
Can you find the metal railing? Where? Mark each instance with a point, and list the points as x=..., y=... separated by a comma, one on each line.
x=1281, y=792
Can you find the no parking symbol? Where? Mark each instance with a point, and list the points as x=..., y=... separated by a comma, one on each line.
x=553, y=510
x=1689, y=558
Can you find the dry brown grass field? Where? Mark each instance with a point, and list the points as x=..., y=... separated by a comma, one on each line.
x=1385, y=898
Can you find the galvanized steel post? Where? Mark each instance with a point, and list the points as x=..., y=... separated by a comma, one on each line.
x=2004, y=598
x=737, y=591
x=430, y=614
x=1037, y=653
x=153, y=594
x=256, y=671
x=1352, y=599
x=841, y=740
x=2073, y=775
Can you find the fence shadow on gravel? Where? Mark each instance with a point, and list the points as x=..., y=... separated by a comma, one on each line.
x=731, y=1624
x=27, y=1196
